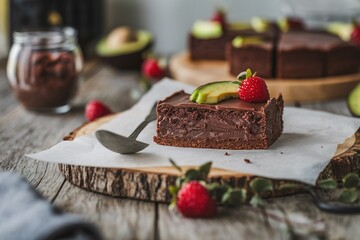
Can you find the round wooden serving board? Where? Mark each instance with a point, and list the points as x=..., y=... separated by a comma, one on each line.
x=151, y=183
x=198, y=73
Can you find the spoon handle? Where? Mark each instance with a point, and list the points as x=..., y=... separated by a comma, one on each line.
x=138, y=130
x=149, y=118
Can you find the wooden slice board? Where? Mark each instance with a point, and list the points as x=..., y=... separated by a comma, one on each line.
x=151, y=183
x=293, y=90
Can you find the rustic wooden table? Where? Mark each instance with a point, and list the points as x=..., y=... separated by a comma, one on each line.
x=24, y=132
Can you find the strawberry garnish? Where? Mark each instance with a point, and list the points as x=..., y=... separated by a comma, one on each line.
x=153, y=69
x=252, y=88
x=95, y=109
x=195, y=201
x=355, y=35
x=220, y=17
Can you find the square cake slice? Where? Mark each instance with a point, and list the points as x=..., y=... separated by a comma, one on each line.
x=257, y=56
x=230, y=124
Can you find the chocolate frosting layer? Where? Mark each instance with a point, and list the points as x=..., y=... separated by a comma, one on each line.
x=181, y=99
x=308, y=40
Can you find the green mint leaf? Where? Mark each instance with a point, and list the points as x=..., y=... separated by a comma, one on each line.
x=348, y=196
x=257, y=201
x=234, y=197
x=241, y=76
x=205, y=169
x=193, y=174
x=260, y=185
x=328, y=183
x=216, y=190
x=173, y=190
x=175, y=165
x=172, y=204
x=351, y=181
x=180, y=181
x=248, y=73
x=212, y=186
x=289, y=186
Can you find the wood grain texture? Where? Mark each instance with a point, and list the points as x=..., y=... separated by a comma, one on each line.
x=293, y=90
x=117, y=218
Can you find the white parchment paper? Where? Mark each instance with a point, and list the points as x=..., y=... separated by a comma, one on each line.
x=309, y=141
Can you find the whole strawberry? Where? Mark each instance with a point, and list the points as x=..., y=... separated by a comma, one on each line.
x=153, y=69
x=355, y=35
x=195, y=201
x=253, y=88
x=219, y=16
x=95, y=109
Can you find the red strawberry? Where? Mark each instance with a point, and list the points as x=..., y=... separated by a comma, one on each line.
x=219, y=16
x=355, y=35
x=253, y=89
x=95, y=109
x=195, y=201
x=152, y=69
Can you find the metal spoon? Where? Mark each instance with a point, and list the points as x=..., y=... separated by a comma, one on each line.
x=126, y=145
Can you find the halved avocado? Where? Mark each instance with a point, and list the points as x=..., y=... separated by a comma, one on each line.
x=343, y=30
x=128, y=55
x=207, y=30
x=240, y=41
x=354, y=101
x=143, y=38
x=260, y=24
x=215, y=92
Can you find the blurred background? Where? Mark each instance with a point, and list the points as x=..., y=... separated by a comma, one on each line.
x=168, y=20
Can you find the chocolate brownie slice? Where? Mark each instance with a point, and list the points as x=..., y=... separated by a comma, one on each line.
x=230, y=124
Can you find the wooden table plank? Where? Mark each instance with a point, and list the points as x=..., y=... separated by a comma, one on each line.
x=243, y=223
x=117, y=218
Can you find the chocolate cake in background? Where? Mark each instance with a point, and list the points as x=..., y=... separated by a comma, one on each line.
x=230, y=124
x=209, y=49
x=255, y=55
x=315, y=54
x=289, y=52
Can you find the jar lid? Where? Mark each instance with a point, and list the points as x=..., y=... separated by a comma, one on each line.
x=45, y=35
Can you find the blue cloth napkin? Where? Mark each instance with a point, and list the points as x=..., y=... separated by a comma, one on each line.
x=24, y=214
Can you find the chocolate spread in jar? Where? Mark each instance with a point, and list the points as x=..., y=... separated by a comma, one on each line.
x=46, y=78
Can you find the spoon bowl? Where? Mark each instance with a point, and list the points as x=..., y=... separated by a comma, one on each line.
x=126, y=145
x=118, y=143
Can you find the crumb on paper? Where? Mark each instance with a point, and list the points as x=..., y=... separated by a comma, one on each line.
x=247, y=160
x=281, y=152
x=322, y=146
x=226, y=154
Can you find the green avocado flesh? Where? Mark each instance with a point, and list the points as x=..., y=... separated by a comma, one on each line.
x=215, y=92
x=207, y=30
x=143, y=39
x=241, y=41
x=354, y=101
x=259, y=24
x=343, y=30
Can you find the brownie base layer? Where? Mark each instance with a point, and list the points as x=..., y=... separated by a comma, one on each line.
x=257, y=57
x=219, y=144
x=207, y=49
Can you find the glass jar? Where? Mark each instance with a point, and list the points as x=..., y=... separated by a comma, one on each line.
x=44, y=67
